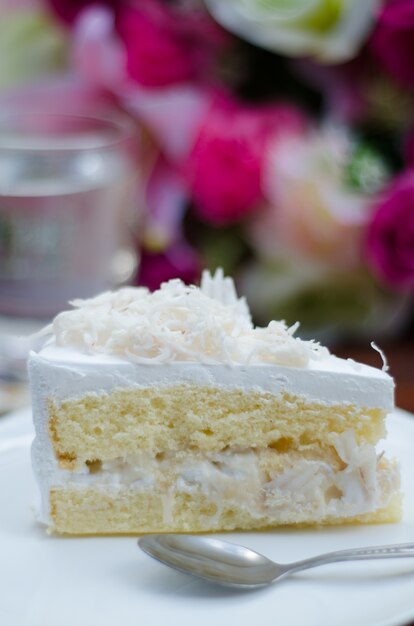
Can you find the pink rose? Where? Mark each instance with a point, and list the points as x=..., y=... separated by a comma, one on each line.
x=165, y=202
x=224, y=167
x=390, y=237
x=173, y=114
x=166, y=44
x=393, y=40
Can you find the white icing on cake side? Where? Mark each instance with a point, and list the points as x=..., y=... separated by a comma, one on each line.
x=68, y=374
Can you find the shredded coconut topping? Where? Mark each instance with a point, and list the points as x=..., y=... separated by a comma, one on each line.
x=385, y=366
x=208, y=324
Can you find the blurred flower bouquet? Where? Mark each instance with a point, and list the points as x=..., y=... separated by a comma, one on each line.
x=278, y=143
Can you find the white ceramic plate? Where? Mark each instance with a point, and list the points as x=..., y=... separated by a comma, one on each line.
x=51, y=581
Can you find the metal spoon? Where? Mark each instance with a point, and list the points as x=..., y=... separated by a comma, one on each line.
x=236, y=566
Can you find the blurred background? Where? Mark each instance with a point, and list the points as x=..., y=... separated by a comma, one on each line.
x=142, y=140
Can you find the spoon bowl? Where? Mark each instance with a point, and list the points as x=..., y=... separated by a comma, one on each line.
x=212, y=559
x=233, y=565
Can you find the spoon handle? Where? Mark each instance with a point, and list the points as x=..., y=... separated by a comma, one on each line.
x=398, y=550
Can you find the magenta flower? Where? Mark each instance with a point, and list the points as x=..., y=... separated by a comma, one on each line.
x=393, y=40
x=390, y=237
x=180, y=261
x=166, y=45
x=409, y=148
x=224, y=167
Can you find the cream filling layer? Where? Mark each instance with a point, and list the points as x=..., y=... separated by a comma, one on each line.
x=305, y=486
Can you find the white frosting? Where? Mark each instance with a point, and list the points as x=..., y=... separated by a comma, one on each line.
x=207, y=324
x=65, y=373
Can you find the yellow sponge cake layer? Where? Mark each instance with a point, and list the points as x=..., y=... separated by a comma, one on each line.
x=126, y=512
x=205, y=418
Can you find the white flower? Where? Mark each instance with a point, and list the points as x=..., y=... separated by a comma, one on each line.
x=311, y=213
x=331, y=31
